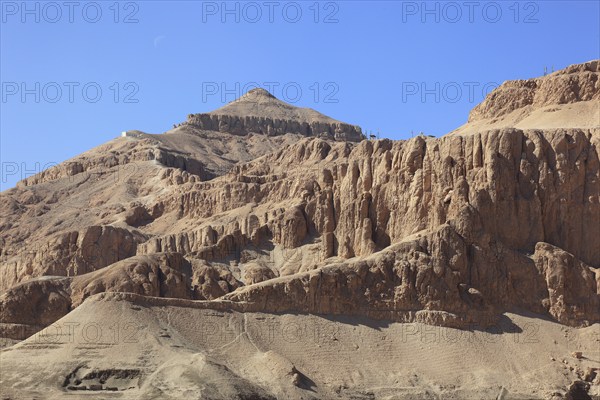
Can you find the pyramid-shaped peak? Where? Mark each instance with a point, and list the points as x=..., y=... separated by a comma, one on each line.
x=256, y=93
x=258, y=111
x=260, y=103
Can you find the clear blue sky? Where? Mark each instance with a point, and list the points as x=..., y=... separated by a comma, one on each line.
x=363, y=62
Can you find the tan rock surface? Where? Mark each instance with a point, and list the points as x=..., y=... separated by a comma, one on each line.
x=569, y=98
x=262, y=208
x=258, y=111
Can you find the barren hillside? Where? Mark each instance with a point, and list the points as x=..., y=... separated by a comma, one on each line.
x=264, y=214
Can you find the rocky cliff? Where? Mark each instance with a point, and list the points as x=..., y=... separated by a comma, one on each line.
x=272, y=127
x=260, y=112
x=574, y=84
x=452, y=231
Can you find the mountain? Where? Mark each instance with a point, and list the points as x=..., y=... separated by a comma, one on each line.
x=258, y=111
x=267, y=251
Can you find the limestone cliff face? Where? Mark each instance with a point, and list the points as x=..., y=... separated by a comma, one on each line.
x=258, y=111
x=243, y=125
x=490, y=209
x=451, y=231
x=573, y=84
x=70, y=253
x=39, y=302
x=507, y=186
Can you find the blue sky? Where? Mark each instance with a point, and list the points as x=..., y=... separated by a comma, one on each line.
x=75, y=75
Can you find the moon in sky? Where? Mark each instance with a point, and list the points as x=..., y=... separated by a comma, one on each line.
x=157, y=40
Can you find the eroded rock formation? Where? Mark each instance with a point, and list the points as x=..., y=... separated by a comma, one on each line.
x=451, y=231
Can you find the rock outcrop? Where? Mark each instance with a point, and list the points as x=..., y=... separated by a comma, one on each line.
x=272, y=127
x=451, y=231
x=576, y=83
x=258, y=111
x=34, y=304
x=70, y=253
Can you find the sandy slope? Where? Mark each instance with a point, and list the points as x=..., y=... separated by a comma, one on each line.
x=150, y=348
x=585, y=114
